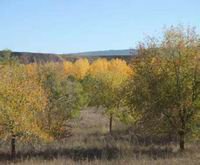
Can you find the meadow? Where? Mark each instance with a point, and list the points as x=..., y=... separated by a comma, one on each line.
x=91, y=144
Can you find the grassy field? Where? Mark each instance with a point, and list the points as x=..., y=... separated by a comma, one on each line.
x=90, y=143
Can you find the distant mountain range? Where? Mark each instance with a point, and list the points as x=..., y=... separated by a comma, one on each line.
x=29, y=57
x=123, y=52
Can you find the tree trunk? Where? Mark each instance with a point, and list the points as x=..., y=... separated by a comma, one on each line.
x=181, y=140
x=13, y=151
x=110, y=125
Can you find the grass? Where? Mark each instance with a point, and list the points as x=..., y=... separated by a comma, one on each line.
x=91, y=143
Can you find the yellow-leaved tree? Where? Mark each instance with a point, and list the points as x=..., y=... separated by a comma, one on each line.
x=68, y=68
x=21, y=99
x=80, y=68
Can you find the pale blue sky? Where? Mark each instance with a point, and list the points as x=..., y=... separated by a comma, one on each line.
x=63, y=26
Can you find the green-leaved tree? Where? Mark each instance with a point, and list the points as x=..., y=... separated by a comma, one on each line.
x=165, y=87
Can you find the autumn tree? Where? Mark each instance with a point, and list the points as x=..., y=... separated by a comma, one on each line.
x=81, y=67
x=165, y=88
x=68, y=68
x=104, y=81
x=21, y=99
x=65, y=98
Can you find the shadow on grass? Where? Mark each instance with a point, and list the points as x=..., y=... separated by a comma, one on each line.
x=78, y=154
x=75, y=154
x=136, y=139
x=152, y=148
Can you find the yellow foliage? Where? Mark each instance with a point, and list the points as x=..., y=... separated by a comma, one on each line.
x=68, y=67
x=81, y=68
x=112, y=72
x=32, y=70
x=21, y=99
x=99, y=66
x=120, y=67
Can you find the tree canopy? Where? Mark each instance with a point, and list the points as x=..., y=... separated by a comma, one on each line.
x=165, y=88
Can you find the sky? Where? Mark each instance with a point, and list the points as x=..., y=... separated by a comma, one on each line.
x=66, y=26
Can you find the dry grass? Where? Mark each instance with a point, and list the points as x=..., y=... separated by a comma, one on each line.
x=61, y=161
x=91, y=144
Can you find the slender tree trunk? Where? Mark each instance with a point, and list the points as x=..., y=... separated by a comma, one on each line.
x=111, y=122
x=182, y=134
x=182, y=140
x=13, y=151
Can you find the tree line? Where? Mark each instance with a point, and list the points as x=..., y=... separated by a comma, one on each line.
x=159, y=91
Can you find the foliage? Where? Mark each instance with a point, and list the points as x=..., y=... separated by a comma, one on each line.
x=68, y=68
x=81, y=67
x=6, y=57
x=21, y=98
x=165, y=88
x=65, y=98
x=104, y=82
